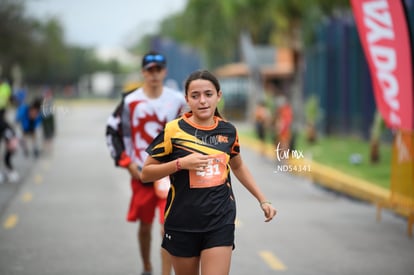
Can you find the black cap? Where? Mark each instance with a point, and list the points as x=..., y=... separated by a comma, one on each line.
x=152, y=59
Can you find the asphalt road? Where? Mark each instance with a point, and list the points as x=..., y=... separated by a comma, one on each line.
x=67, y=217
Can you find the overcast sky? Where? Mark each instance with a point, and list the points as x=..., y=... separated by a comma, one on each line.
x=105, y=23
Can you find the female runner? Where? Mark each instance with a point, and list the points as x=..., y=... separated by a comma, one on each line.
x=197, y=152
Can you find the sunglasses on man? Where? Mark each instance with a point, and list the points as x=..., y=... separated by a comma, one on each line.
x=154, y=58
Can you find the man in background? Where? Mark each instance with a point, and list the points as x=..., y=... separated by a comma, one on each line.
x=142, y=114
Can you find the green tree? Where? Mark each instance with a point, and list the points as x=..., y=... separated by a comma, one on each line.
x=50, y=64
x=16, y=35
x=312, y=115
x=214, y=26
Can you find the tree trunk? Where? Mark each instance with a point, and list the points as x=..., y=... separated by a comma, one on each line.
x=311, y=133
x=375, y=152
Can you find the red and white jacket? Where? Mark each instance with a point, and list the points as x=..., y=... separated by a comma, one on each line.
x=143, y=118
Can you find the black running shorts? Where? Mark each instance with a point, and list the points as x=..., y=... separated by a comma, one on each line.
x=190, y=244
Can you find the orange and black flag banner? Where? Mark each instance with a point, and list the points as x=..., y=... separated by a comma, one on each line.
x=385, y=37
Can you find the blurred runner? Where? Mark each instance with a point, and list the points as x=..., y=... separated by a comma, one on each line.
x=29, y=117
x=261, y=120
x=5, y=97
x=8, y=134
x=48, y=120
x=284, y=118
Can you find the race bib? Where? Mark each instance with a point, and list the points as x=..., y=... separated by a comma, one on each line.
x=213, y=175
